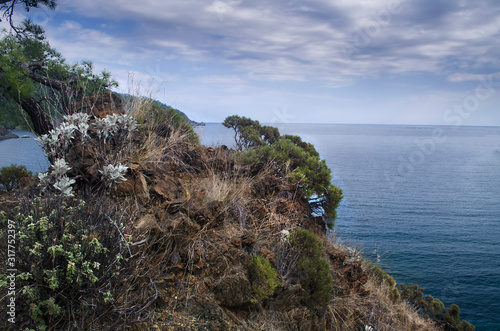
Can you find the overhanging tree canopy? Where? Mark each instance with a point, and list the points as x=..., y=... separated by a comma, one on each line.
x=37, y=78
x=295, y=159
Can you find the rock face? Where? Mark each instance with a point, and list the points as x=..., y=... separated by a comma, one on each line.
x=6, y=134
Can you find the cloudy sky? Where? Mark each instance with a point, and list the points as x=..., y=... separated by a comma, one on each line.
x=316, y=61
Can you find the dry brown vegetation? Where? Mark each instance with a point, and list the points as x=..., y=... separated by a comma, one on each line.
x=196, y=217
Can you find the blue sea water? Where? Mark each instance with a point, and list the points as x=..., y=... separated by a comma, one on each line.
x=23, y=151
x=424, y=200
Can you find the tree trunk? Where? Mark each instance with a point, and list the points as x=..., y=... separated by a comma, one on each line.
x=41, y=125
x=63, y=87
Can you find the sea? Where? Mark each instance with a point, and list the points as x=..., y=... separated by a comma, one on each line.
x=23, y=151
x=421, y=202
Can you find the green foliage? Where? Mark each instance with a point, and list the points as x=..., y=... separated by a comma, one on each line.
x=250, y=133
x=434, y=307
x=68, y=256
x=15, y=78
x=11, y=175
x=27, y=28
x=28, y=62
x=11, y=116
x=384, y=277
x=264, y=277
x=307, y=170
x=291, y=156
x=7, y=6
x=313, y=270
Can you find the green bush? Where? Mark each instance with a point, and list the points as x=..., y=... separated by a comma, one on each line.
x=434, y=307
x=383, y=276
x=292, y=157
x=313, y=270
x=11, y=175
x=68, y=257
x=264, y=277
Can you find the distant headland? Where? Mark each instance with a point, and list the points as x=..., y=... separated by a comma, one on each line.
x=6, y=134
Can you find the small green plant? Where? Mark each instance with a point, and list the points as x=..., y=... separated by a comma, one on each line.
x=68, y=258
x=264, y=277
x=313, y=270
x=434, y=307
x=11, y=175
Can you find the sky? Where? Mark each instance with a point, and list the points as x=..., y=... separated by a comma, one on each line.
x=429, y=62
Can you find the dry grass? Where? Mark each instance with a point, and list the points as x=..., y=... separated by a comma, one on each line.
x=159, y=143
x=385, y=314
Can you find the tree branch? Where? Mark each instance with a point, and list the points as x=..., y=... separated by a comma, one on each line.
x=63, y=87
x=37, y=114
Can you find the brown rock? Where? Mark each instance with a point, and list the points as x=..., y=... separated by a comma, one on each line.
x=164, y=189
x=209, y=315
x=181, y=224
x=141, y=187
x=234, y=290
x=127, y=187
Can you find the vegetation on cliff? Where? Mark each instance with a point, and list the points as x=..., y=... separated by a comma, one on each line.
x=142, y=227
x=292, y=158
x=6, y=134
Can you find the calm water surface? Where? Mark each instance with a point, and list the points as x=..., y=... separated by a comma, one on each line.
x=424, y=200
x=23, y=151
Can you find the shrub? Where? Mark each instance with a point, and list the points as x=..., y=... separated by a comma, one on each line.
x=11, y=175
x=291, y=157
x=264, y=277
x=313, y=270
x=81, y=145
x=434, y=307
x=68, y=258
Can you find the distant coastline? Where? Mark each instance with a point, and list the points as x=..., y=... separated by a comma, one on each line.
x=6, y=134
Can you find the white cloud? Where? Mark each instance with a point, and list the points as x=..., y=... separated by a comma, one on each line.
x=296, y=41
x=465, y=77
x=235, y=45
